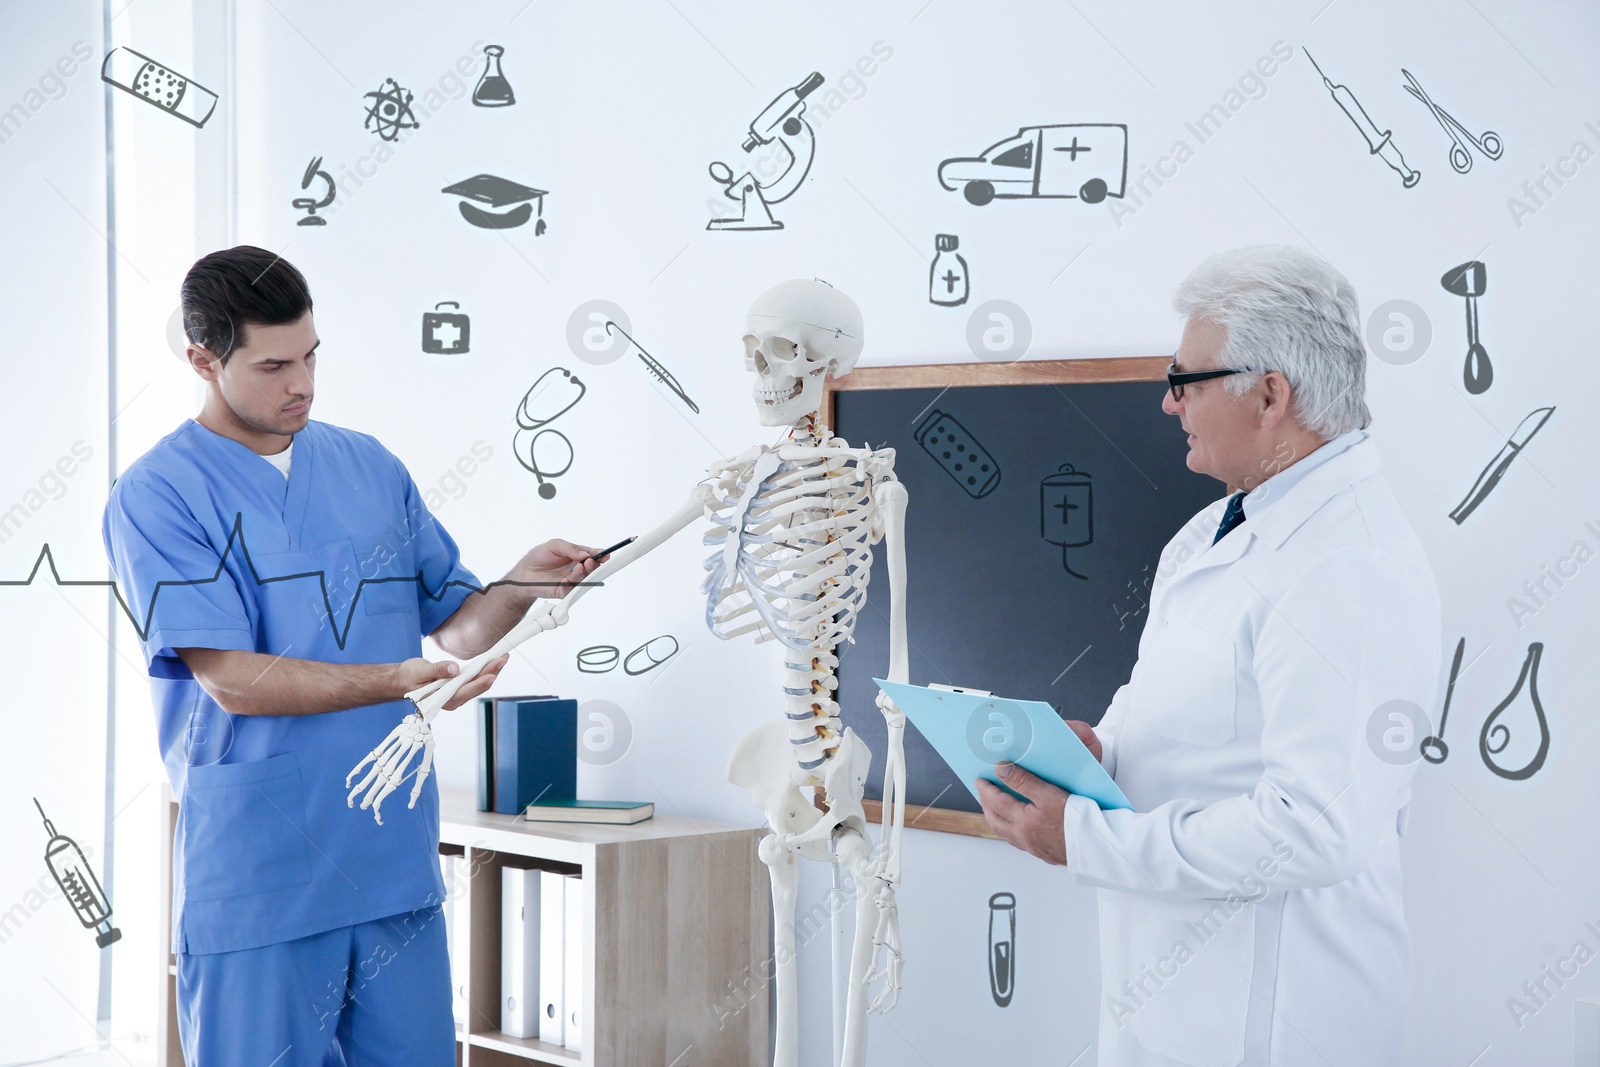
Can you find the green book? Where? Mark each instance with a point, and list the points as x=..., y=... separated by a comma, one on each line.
x=617, y=812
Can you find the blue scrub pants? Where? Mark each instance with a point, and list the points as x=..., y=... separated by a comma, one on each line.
x=372, y=995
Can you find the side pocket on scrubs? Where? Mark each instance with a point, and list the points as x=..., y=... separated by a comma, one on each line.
x=244, y=828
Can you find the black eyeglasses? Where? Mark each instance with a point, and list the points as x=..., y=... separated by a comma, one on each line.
x=1177, y=379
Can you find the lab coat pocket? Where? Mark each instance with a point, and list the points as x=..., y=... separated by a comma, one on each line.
x=243, y=828
x=1189, y=970
x=1190, y=697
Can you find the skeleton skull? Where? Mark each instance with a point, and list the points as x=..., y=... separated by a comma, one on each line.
x=796, y=333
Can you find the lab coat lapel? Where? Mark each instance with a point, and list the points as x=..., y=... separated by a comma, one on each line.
x=1274, y=526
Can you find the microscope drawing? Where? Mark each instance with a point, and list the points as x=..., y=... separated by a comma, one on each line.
x=792, y=527
x=309, y=204
x=782, y=121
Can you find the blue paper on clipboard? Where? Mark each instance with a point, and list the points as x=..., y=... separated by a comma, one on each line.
x=972, y=733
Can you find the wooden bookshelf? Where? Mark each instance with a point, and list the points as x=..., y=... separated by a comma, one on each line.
x=676, y=912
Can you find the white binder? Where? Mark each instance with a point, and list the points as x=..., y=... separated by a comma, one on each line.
x=458, y=926
x=572, y=974
x=520, y=892
x=552, y=962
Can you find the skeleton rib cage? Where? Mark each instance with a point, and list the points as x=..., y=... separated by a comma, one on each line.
x=795, y=528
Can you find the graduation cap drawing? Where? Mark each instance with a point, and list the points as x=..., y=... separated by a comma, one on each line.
x=498, y=193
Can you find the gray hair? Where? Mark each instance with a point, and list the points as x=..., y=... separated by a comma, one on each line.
x=1288, y=310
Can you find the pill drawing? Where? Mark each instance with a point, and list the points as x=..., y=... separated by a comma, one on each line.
x=959, y=454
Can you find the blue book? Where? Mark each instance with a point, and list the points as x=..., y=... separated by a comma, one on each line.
x=535, y=751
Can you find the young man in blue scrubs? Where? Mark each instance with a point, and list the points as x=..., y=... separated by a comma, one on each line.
x=285, y=572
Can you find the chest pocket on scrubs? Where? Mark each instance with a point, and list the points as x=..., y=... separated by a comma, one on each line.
x=385, y=554
x=1190, y=697
x=244, y=828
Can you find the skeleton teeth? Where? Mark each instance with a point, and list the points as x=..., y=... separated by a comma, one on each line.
x=778, y=396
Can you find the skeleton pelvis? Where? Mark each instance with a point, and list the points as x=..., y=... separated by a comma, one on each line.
x=763, y=765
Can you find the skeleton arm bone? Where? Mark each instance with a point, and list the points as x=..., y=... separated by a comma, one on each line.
x=388, y=765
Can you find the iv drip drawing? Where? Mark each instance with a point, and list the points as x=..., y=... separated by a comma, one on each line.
x=948, y=284
x=493, y=90
x=70, y=868
x=1066, y=512
x=1501, y=733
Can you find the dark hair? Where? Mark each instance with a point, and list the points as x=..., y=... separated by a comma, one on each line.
x=227, y=291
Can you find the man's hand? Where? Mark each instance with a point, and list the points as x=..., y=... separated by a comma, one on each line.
x=1085, y=734
x=560, y=564
x=413, y=674
x=1035, y=827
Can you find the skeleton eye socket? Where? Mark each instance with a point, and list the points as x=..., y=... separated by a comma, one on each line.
x=779, y=349
x=752, y=351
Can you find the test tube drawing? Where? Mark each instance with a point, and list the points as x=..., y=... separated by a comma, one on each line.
x=1066, y=512
x=70, y=868
x=139, y=75
x=1378, y=141
x=1002, y=947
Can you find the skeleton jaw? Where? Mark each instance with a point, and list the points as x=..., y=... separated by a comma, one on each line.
x=785, y=401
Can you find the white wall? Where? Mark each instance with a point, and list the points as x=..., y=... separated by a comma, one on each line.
x=620, y=109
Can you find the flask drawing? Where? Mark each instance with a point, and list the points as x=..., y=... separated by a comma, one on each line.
x=1501, y=733
x=493, y=90
x=70, y=868
x=947, y=278
x=1002, y=947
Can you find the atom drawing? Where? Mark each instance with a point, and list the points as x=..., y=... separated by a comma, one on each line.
x=390, y=111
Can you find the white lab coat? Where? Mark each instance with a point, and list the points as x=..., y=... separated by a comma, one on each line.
x=1250, y=907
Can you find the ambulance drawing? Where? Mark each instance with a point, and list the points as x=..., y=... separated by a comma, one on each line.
x=1085, y=160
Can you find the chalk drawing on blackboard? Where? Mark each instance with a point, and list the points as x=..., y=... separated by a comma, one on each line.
x=1470, y=280
x=1379, y=143
x=1002, y=947
x=1066, y=512
x=1085, y=161
x=1460, y=159
x=958, y=454
x=1496, y=735
x=1491, y=474
x=948, y=284
x=1433, y=748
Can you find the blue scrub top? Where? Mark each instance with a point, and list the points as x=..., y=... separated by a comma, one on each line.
x=212, y=548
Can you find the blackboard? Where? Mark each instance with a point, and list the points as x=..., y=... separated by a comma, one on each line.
x=1041, y=495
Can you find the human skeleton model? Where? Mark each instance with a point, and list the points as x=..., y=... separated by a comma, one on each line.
x=793, y=527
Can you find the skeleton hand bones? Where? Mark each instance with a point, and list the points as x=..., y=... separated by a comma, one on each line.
x=390, y=762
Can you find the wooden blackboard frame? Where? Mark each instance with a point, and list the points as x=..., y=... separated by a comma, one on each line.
x=965, y=375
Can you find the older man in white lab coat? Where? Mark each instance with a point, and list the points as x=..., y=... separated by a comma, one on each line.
x=1250, y=904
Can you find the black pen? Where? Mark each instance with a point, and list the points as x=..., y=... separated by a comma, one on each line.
x=607, y=551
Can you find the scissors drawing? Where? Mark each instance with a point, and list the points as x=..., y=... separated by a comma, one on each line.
x=1460, y=159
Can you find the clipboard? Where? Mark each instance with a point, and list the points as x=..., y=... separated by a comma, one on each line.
x=973, y=732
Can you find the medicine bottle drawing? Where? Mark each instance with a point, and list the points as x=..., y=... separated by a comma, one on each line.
x=493, y=90
x=947, y=278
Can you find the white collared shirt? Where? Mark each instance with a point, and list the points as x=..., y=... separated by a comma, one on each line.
x=1280, y=483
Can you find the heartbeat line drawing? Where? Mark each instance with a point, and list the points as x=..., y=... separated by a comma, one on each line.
x=236, y=535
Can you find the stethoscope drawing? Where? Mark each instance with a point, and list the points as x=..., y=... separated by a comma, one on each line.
x=542, y=395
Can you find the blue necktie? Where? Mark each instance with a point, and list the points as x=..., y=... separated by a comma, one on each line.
x=1232, y=517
